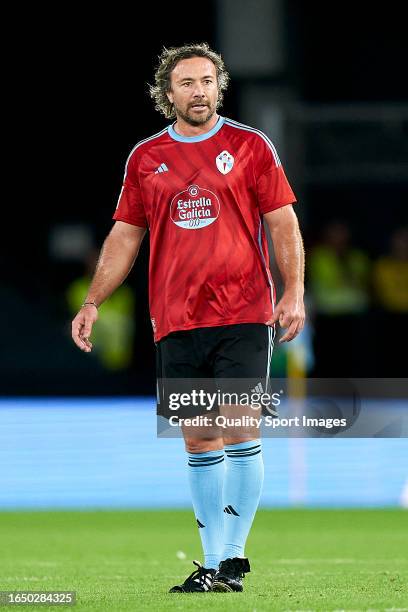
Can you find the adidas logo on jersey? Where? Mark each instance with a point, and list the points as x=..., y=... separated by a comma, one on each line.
x=162, y=168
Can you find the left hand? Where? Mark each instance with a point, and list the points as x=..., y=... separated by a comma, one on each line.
x=290, y=312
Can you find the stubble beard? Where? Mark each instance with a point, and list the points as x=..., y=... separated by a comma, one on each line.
x=195, y=120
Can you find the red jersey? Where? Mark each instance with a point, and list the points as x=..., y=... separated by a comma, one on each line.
x=203, y=198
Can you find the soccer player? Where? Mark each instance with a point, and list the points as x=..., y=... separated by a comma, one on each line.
x=202, y=186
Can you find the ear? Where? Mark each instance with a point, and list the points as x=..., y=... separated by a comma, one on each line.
x=170, y=96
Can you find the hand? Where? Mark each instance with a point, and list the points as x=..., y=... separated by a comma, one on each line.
x=82, y=327
x=290, y=312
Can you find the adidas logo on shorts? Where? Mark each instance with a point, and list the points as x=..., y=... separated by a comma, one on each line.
x=258, y=388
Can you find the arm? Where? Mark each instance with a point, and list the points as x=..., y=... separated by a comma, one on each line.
x=116, y=259
x=288, y=246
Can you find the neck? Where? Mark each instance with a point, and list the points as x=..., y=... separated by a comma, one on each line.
x=186, y=129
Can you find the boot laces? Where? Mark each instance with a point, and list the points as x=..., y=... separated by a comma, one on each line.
x=198, y=574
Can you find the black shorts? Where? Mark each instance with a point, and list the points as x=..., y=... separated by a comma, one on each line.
x=229, y=351
x=240, y=353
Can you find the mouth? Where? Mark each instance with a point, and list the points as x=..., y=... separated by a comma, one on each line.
x=199, y=107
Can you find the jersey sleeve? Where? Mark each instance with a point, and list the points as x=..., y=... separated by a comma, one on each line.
x=273, y=187
x=130, y=207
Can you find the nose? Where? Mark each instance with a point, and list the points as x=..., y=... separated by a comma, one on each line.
x=198, y=91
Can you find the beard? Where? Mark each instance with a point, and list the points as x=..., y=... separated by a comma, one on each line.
x=191, y=118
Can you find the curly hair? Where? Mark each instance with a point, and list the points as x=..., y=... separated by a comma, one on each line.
x=167, y=62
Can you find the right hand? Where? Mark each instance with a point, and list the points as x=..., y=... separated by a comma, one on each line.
x=82, y=327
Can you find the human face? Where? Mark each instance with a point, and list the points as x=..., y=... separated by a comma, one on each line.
x=194, y=90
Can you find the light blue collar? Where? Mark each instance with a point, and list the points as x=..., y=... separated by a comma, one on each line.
x=173, y=134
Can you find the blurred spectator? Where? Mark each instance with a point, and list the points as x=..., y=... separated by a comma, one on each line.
x=339, y=280
x=113, y=335
x=391, y=275
x=339, y=274
x=390, y=279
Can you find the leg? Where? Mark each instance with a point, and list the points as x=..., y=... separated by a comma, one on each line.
x=182, y=363
x=245, y=355
x=206, y=468
x=242, y=491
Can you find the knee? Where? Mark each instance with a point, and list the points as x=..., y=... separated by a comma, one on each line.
x=203, y=445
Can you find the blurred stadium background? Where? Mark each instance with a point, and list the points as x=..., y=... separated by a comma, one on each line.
x=326, y=84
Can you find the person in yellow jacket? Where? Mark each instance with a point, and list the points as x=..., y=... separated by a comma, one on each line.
x=390, y=280
x=116, y=327
x=339, y=284
x=391, y=274
x=339, y=274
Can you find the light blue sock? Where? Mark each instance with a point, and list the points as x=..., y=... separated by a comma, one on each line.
x=206, y=476
x=242, y=490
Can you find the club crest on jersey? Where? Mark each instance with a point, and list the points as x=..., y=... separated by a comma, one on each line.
x=224, y=162
x=194, y=208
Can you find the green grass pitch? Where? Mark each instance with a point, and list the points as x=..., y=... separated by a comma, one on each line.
x=127, y=560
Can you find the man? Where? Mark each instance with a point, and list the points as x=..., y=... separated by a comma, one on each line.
x=202, y=186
